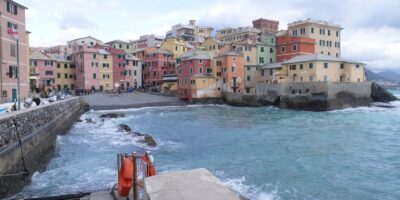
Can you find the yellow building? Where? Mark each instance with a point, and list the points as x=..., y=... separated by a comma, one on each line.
x=211, y=44
x=176, y=45
x=314, y=68
x=204, y=87
x=327, y=35
x=105, y=70
x=65, y=73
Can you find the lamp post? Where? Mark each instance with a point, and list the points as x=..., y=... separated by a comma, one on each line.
x=14, y=33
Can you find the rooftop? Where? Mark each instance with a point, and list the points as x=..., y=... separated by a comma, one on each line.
x=311, y=21
x=59, y=58
x=117, y=41
x=317, y=57
x=37, y=55
x=161, y=50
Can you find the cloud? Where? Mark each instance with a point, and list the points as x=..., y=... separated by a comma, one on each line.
x=75, y=20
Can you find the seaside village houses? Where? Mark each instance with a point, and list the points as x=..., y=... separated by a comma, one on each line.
x=194, y=62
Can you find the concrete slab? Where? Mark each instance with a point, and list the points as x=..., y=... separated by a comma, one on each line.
x=197, y=184
x=102, y=195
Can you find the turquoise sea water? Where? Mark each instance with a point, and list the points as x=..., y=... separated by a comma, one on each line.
x=262, y=153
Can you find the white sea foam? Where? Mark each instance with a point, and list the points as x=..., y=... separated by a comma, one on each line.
x=249, y=191
x=160, y=107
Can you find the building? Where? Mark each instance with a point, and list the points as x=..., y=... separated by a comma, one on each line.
x=45, y=67
x=190, y=32
x=212, y=44
x=266, y=25
x=315, y=68
x=230, y=68
x=118, y=67
x=64, y=71
x=133, y=76
x=196, y=66
x=59, y=49
x=158, y=62
x=146, y=41
x=177, y=46
x=89, y=41
x=326, y=35
x=106, y=69
x=289, y=47
x=12, y=16
x=120, y=44
x=238, y=34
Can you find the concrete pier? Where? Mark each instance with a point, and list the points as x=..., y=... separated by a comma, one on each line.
x=187, y=185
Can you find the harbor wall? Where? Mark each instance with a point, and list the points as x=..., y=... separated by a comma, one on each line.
x=38, y=129
x=314, y=96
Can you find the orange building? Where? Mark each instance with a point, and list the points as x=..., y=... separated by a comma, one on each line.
x=288, y=47
x=230, y=66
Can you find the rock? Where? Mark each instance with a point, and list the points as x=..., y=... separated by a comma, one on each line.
x=138, y=134
x=112, y=115
x=149, y=140
x=379, y=94
x=89, y=120
x=124, y=127
x=79, y=120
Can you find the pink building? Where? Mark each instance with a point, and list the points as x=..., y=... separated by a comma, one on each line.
x=199, y=64
x=12, y=16
x=118, y=65
x=158, y=63
x=87, y=67
x=46, y=68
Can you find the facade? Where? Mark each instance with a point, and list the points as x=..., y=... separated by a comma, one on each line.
x=65, y=73
x=133, y=67
x=12, y=16
x=289, y=47
x=119, y=44
x=177, y=46
x=45, y=67
x=118, y=67
x=315, y=68
x=89, y=41
x=199, y=65
x=158, y=62
x=239, y=34
x=326, y=35
x=266, y=25
x=87, y=67
x=232, y=71
x=190, y=32
x=146, y=41
x=212, y=44
x=59, y=49
x=105, y=66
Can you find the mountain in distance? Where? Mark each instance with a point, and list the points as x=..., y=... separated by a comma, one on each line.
x=372, y=76
x=390, y=75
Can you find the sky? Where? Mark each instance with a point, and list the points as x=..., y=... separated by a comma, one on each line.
x=371, y=31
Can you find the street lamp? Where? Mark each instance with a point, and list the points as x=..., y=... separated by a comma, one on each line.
x=14, y=33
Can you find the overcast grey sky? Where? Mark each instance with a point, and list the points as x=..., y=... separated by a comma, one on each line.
x=371, y=27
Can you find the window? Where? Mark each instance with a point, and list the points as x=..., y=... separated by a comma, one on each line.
x=12, y=50
x=4, y=94
x=292, y=67
x=176, y=48
x=94, y=56
x=326, y=65
x=357, y=66
x=248, y=58
x=58, y=75
x=271, y=72
x=12, y=25
x=329, y=32
x=12, y=8
x=65, y=75
x=294, y=47
x=312, y=29
x=134, y=72
x=310, y=65
x=200, y=61
x=105, y=56
x=262, y=49
x=94, y=75
x=270, y=60
x=209, y=70
x=65, y=65
x=191, y=70
x=233, y=68
x=120, y=46
x=48, y=63
x=248, y=78
x=302, y=31
x=341, y=66
x=271, y=50
x=283, y=49
x=337, y=55
x=127, y=46
x=248, y=68
x=247, y=90
x=200, y=70
x=301, y=66
x=261, y=60
x=329, y=53
x=58, y=65
x=49, y=73
x=337, y=33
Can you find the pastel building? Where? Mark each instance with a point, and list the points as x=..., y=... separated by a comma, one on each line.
x=64, y=71
x=120, y=44
x=59, y=49
x=89, y=41
x=133, y=67
x=238, y=34
x=289, y=46
x=190, y=32
x=177, y=46
x=326, y=35
x=266, y=25
x=212, y=44
x=118, y=67
x=106, y=73
x=45, y=67
x=146, y=41
x=158, y=62
x=315, y=68
x=12, y=16
x=231, y=65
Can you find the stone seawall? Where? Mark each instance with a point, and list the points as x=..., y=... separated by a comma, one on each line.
x=37, y=128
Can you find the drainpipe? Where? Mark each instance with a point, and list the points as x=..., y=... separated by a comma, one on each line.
x=1, y=64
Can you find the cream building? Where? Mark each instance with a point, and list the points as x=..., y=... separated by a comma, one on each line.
x=327, y=35
x=238, y=34
x=106, y=70
x=177, y=46
x=314, y=68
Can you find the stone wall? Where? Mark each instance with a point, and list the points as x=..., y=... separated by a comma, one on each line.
x=38, y=128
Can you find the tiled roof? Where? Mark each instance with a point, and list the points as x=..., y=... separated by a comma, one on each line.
x=317, y=57
x=37, y=55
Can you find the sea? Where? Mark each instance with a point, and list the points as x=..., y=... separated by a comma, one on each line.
x=263, y=153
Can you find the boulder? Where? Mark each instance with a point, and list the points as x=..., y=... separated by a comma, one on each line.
x=138, y=134
x=149, y=140
x=380, y=94
x=112, y=115
x=89, y=120
x=79, y=120
x=124, y=127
